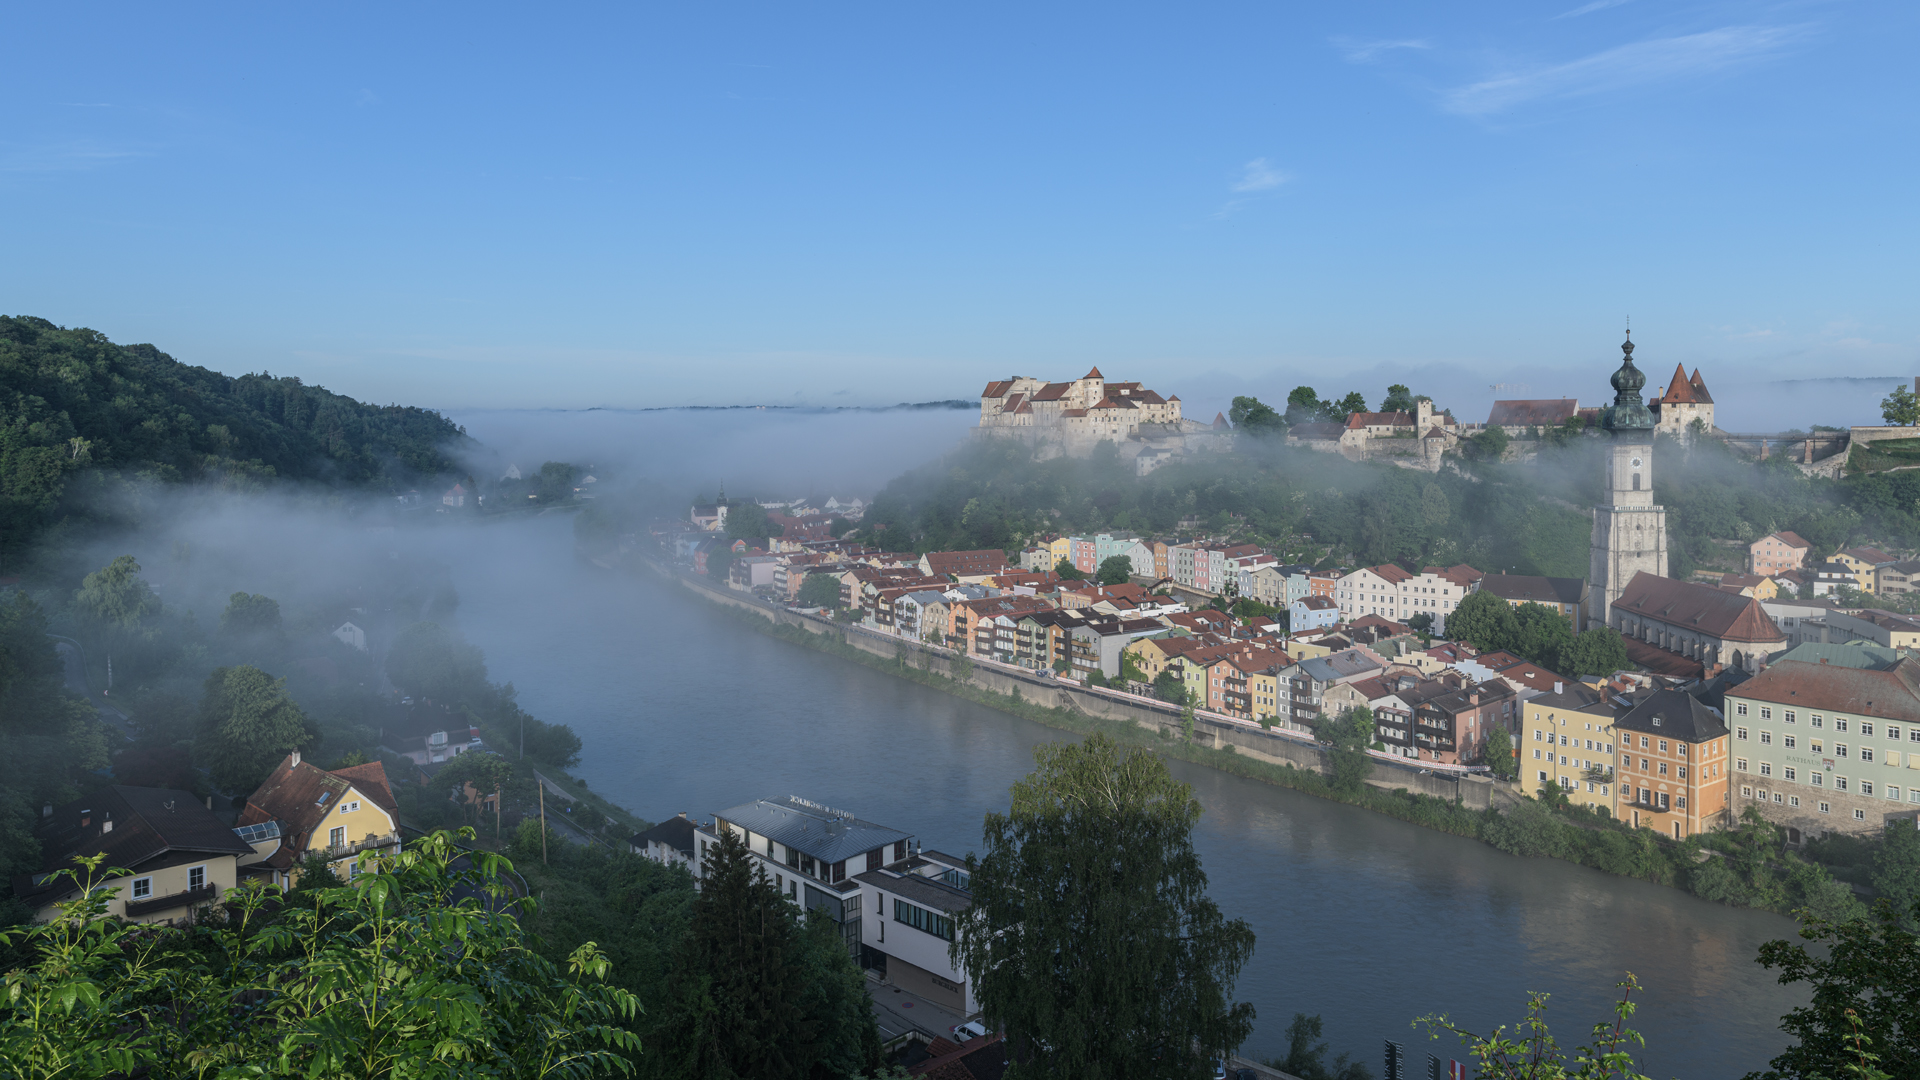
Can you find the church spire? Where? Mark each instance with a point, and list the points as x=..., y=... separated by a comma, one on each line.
x=1628, y=415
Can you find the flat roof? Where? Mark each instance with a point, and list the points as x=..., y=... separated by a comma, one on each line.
x=823, y=832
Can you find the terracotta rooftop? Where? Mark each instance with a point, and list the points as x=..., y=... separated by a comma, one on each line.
x=1703, y=608
x=1379, y=419
x=1790, y=539
x=1683, y=390
x=1534, y=412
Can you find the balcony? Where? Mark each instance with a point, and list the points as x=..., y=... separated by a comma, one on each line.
x=341, y=851
x=205, y=894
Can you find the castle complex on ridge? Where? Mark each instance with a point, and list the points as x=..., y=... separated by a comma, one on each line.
x=1070, y=418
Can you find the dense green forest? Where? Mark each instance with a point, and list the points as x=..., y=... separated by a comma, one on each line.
x=75, y=407
x=1511, y=517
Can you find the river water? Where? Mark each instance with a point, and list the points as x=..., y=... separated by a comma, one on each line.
x=1365, y=920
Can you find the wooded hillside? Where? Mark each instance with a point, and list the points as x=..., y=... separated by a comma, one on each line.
x=71, y=400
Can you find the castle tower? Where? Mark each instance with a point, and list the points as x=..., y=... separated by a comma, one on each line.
x=1629, y=529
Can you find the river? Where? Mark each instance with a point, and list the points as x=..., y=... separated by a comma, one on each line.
x=1365, y=920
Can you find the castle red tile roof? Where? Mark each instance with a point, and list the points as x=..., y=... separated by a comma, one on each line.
x=1377, y=419
x=995, y=389
x=1790, y=539
x=1533, y=412
x=1094, y=374
x=1053, y=391
x=1703, y=608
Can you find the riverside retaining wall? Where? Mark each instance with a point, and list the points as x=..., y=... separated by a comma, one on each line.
x=1473, y=791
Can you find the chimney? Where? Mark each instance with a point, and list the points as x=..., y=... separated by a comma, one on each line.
x=296, y=758
x=1559, y=687
x=106, y=826
x=47, y=810
x=209, y=802
x=1824, y=659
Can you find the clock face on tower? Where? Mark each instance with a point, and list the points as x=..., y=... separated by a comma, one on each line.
x=1636, y=463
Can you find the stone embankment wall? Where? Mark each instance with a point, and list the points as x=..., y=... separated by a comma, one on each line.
x=1475, y=792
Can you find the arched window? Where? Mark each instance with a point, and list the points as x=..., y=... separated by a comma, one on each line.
x=1636, y=481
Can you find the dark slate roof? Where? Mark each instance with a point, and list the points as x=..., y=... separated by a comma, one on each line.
x=1526, y=588
x=927, y=892
x=826, y=834
x=147, y=823
x=1675, y=715
x=675, y=832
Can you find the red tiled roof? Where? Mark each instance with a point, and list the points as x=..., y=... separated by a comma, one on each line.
x=1700, y=388
x=1094, y=374
x=995, y=389
x=1790, y=539
x=1869, y=555
x=1014, y=401
x=1377, y=419
x=371, y=779
x=1459, y=574
x=1679, y=390
x=1532, y=412
x=1893, y=694
x=1053, y=391
x=1392, y=573
x=1698, y=607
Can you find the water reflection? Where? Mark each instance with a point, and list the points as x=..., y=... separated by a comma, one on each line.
x=1363, y=919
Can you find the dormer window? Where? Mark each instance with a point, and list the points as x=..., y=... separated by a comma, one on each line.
x=322, y=800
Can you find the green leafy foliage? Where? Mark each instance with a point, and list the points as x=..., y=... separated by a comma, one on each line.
x=1347, y=736
x=50, y=740
x=250, y=613
x=755, y=992
x=1068, y=571
x=1115, y=570
x=1536, y=633
x=73, y=403
x=1252, y=417
x=820, y=590
x=1109, y=963
x=247, y=725
x=1499, y=753
x=1900, y=408
x=404, y=974
x=1307, y=1055
x=748, y=521
x=1532, y=1053
x=1864, y=978
x=1896, y=870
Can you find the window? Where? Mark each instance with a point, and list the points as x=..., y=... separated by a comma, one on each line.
x=1663, y=768
x=1536, y=755
x=1790, y=742
x=1789, y=772
x=1663, y=746
x=1766, y=769
x=1865, y=728
x=1859, y=815
x=1814, y=719
x=1536, y=734
x=1543, y=775
x=1817, y=779
x=1740, y=708
x=1839, y=749
x=337, y=837
x=1893, y=733
x=197, y=878
x=1740, y=733
x=1866, y=787
x=1893, y=793
x=322, y=800
x=1866, y=753
x=1789, y=715
x=1746, y=793
x=1740, y=764
x=1680, y=803
x=1683, y=749
x=1766, y=712
x=1839, y=723
x=1826, y=808
x=349, y=807
x=1683, y=772
x=142, y=888
x=1767, y=737
x=1643, y=741
x=921, y=919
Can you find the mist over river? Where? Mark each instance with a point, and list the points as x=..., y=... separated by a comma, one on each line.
x=1363, y=919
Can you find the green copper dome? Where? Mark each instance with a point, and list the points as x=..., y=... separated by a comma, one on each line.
x=1628, y=414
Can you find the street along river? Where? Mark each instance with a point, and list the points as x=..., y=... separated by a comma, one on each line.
x=1366, y=920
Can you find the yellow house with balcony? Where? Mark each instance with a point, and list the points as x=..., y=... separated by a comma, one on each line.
x=177, y=857
x=340, y=813
x=1566, y=739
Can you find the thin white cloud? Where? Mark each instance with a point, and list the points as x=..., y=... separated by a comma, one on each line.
x=1588, y=9
x=75, y=155
x=1625, y=66
x=1363, y=52
x=1258, y=175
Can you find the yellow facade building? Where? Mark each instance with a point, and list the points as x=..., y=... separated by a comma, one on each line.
x=1566, y=739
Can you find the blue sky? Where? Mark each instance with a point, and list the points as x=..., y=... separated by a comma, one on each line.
x=481, y=206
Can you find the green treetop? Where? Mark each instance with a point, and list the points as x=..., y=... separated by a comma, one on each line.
x=1090, y=932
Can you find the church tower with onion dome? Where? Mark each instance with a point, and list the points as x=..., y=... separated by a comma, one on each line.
x=1629, y=528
